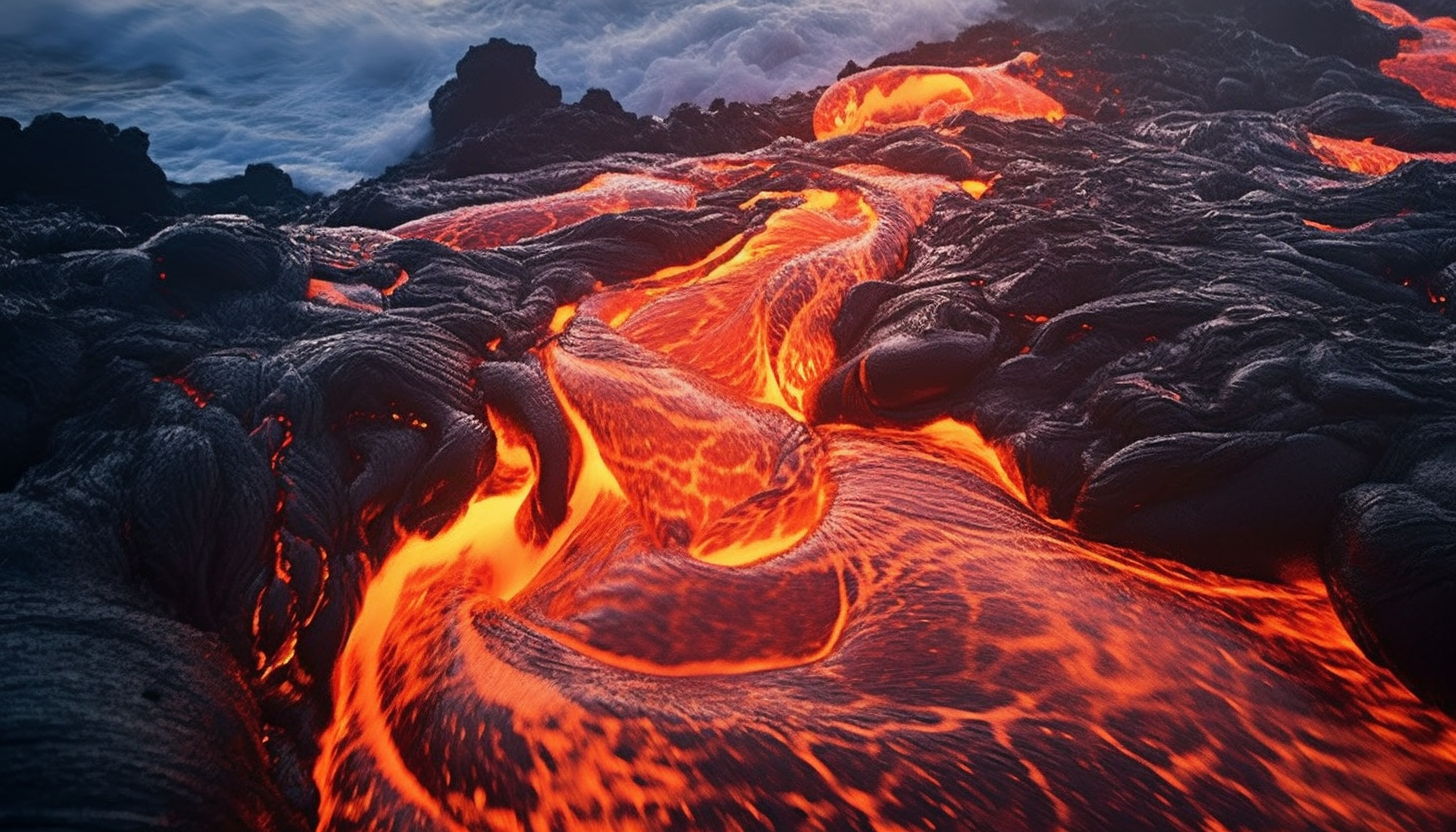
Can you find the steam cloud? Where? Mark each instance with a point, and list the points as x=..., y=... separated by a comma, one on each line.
x=219, y=84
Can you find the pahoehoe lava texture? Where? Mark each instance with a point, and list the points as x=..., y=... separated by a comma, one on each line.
x=1186, y=333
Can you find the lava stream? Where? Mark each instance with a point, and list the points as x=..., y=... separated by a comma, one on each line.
x=750, y=621
x=1429, y=63
x=898, y=96
x=931, y=650
x=1366, y=156
x=499, y=224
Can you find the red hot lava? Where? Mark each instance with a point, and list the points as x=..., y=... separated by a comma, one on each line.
x=1427, y=63
x=748, y=620
x=896, y=96
x=1366, y=156
x=487, y=226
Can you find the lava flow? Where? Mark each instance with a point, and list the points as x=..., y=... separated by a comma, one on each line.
x=896, y=96
x=1366, y=156
x=1053, y=443
x=487, y=226
x=741, y=618
x=1427, y=63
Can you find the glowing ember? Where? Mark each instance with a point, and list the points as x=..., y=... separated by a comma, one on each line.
x=1366, y=156
x=899, y=96
x=1429, y=63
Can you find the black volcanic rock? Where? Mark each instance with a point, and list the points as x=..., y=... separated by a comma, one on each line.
x=70, y=184
x=117, y=716
x=1140, y=57
x=499, y=116
x=601, y=101
x=493, y=80
x=592, y=130
x=187, y=399
x=262, y=190
x=84, y=162
x=1131, y=58
x=32, y=230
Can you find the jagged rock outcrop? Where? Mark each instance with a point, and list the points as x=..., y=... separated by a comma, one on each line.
x=83, y=162
x=494, y=80
x=262, y=191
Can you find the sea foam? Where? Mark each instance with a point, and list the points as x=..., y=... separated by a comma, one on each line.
x=333, y=92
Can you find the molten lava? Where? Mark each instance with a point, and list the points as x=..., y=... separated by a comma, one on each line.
x=900, y=96
x=499, y=224
x=332, y=293
x=743, y=619
x=1427, y=63
x=1366, y=156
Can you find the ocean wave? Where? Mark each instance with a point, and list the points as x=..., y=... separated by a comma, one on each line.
x=336, y=92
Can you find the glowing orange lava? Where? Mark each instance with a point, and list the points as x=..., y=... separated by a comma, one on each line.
x=336, y=295
x=777, y=294
x=1429, y=63
x=499, y=224
x=899, y=96
x=1366, y=156
x=747, y=620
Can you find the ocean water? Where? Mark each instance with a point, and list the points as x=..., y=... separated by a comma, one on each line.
x=336, y=91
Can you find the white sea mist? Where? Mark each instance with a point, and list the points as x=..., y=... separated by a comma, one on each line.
x=336, y=91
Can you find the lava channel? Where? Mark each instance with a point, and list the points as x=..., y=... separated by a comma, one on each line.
x=743, y=619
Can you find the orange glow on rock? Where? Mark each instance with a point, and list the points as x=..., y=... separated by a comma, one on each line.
x=1366, y=156
x=334, y=295
x=503, y=223
x=1429, y=63
x=900, y=96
